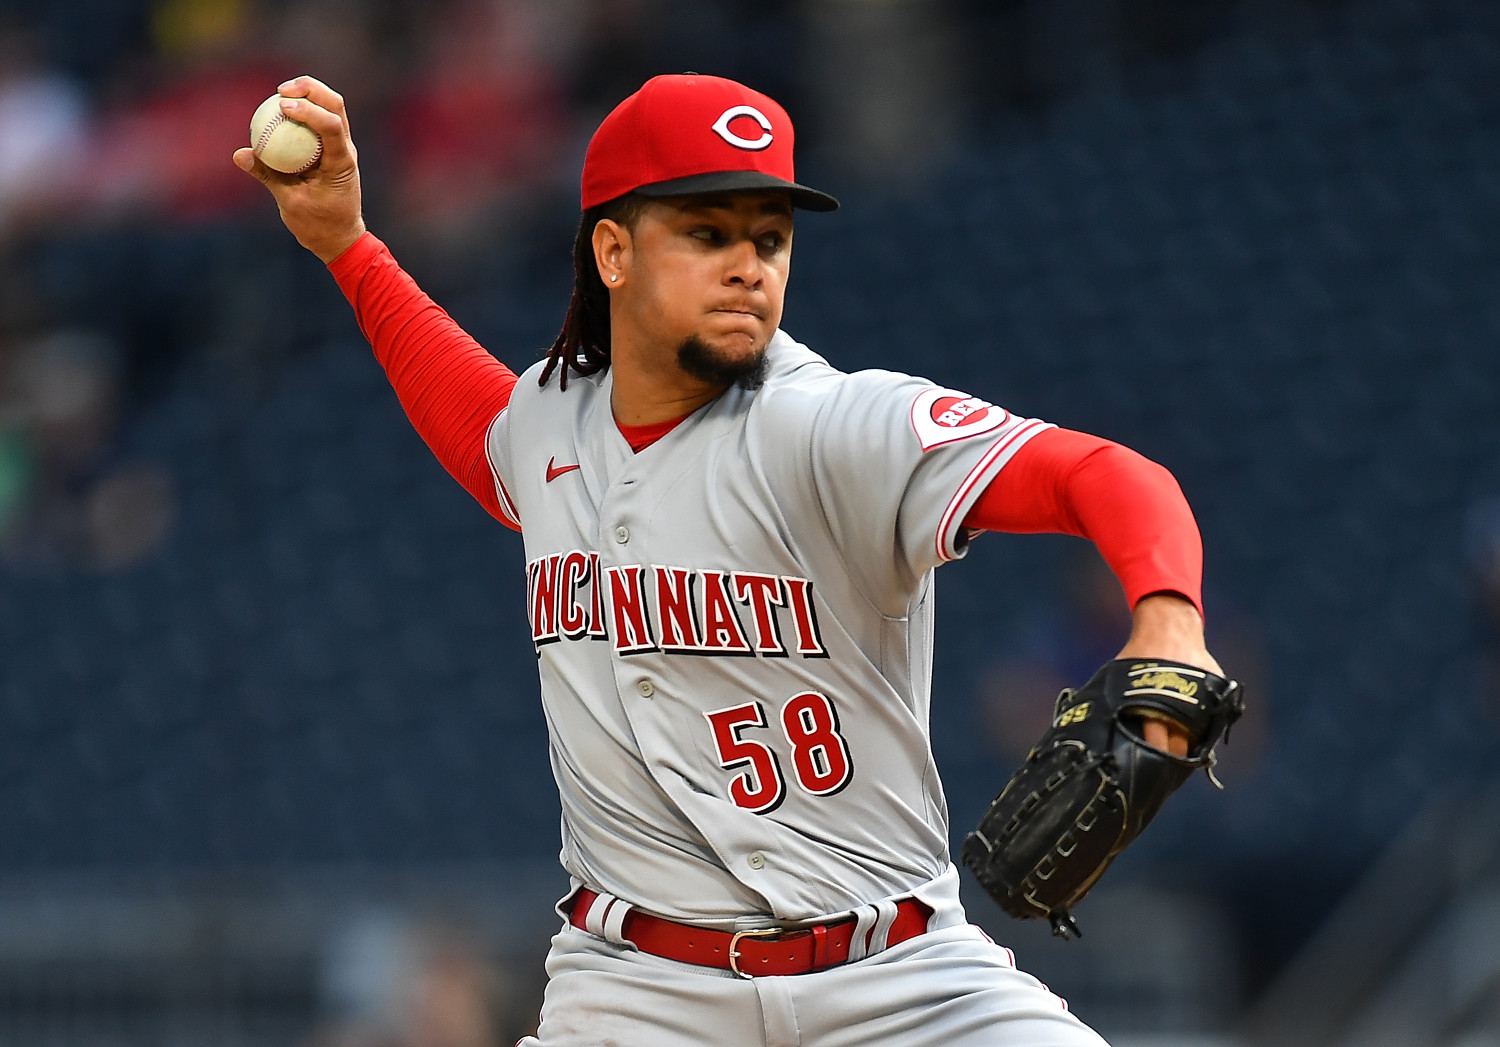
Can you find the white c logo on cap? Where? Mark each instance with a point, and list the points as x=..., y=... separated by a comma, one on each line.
x=721, y=127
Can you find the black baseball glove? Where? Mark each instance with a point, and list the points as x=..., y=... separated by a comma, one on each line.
x=1092, y=784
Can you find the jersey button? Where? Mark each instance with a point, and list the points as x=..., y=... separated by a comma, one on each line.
x=645, y=688
x=757, y=860
x=622, y=535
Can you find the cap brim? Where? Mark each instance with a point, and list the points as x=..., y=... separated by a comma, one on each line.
x=802, y=196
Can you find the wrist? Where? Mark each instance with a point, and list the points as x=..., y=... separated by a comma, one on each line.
x=1168, y=625
x=328, y=250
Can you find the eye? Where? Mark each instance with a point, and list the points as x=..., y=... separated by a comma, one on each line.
x=707, y=234
x=771, y=241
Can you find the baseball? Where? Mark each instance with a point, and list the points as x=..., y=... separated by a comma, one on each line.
x=281, y=143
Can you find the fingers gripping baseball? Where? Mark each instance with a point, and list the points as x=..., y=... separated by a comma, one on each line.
x=321, y=206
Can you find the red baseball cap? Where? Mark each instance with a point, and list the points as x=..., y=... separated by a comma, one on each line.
x=687, y=133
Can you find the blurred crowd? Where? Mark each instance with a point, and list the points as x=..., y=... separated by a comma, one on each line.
x=129, y=243
x=390, y=980
x=476, y=93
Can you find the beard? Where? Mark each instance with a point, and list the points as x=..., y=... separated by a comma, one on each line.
x=702, y=362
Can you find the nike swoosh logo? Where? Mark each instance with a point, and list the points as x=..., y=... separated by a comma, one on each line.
x=554, y=470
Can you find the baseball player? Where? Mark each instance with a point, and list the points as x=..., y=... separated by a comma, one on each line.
x=729, y=555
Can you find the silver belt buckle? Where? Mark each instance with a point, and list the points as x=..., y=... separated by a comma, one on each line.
x=734, y=939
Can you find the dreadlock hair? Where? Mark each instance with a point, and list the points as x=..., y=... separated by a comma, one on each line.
x=583, y=344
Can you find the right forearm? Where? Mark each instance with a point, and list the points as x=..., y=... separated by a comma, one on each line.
x=450, y=387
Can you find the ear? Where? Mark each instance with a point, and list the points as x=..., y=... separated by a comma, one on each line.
x=612, y=244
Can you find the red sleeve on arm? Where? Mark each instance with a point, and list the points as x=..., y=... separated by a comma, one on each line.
x=450, y=387
x=1068, y=482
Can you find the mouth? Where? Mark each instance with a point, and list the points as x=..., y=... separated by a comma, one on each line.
x=753, y=314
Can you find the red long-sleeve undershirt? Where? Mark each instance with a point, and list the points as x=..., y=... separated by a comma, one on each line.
x=1059, y=482
x=450, y=387
x=1067, y=482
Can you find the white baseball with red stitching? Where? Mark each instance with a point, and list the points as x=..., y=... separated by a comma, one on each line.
x=281, y=143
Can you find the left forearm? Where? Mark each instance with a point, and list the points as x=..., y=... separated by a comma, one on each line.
x=1130, y=507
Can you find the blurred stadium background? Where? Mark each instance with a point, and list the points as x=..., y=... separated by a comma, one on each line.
x=272, y=768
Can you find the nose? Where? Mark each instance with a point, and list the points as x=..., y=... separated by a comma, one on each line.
x=743, y=264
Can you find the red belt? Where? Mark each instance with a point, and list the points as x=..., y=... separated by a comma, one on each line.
x=751, y=953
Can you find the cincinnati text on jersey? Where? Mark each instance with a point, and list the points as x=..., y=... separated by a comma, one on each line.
x=675, y=610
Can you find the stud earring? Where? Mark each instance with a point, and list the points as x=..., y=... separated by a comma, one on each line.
x=613, y=277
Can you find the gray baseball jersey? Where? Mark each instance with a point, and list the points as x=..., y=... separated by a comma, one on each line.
x=734, y=630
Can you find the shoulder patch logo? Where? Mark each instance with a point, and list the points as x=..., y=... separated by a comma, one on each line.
x=941, y=416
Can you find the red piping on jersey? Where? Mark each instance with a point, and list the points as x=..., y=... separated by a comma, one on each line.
x=1022, y=432
x=507, y=506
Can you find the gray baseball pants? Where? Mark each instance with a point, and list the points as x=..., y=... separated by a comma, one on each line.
x=948, y=988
